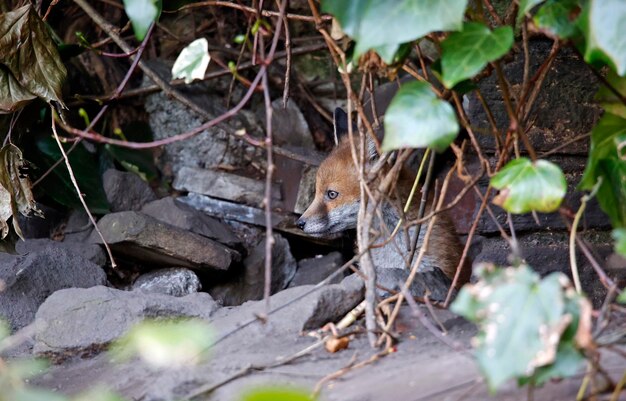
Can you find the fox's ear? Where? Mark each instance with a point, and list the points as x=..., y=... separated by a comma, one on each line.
x=340, y=124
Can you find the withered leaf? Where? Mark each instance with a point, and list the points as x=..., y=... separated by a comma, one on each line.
x=18, y=187
x=30, y=56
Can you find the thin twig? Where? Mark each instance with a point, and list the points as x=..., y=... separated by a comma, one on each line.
x=78, y=192
x=572, y=238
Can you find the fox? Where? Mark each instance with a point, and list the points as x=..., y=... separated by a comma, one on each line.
x=335, y=209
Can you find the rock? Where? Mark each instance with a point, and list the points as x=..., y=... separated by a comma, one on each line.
x=289, y=126
x=181, y=215
x=126, y=191
x=229, y=211
x=92, y=252
x=329, y=303
x=248, y=283
x=214, y=146
x=86, y=320
x=314, y=270
x=147, y=240
x=306, y=191
x=30, y=279
x=177, y=282
x=223, y=185
x=78, y=227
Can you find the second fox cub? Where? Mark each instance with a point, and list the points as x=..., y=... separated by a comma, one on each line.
x=335, y=209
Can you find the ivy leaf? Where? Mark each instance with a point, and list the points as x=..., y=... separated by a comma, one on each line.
x=522, y=320
x=417, y=118
x=526, y=186
x=619, y=235
x=142, y=13
x=604, y=139
x=605, y=41
x=192, y=61
x=555, y=17
x=465, y=53
x=374, y=23
x=86, y=170
x=16, y=184
x=277, y=394
x=612, y=192
x=525, y=6
x=609, y=101
x=31, y=65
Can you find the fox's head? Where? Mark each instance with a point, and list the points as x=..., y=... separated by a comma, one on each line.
x=337, y=193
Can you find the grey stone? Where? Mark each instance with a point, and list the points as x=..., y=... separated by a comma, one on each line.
x=223, y=185
x=289, y=126
x=181, y=215
x=30, y=279
x=143, y=238
x=248, y=283
x=78, y=227
x=177, y=282
x=79, y=320
x=214, y=146
x=229, y=211
x=306, y=190
x=92, y=252
x=126, y=191
x=314, y=270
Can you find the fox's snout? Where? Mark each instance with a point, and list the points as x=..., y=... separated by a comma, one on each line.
x=301, y=223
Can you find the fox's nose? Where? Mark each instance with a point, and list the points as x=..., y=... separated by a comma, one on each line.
x=301, y=223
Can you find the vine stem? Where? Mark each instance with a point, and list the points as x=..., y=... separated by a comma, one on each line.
x=572, y=237
x=80, y=195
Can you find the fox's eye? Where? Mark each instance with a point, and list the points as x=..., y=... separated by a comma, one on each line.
x=332, y=194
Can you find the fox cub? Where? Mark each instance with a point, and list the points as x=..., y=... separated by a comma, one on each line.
x=335, y=209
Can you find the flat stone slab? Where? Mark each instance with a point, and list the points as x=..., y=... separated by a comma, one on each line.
x=181, y=215
x=223, y=185
x=140, y=237
x=82, y=320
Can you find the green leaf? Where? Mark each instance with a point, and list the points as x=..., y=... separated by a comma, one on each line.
x=16, y=194
x=375, y=23
x=555, y=17
x=619, y=235
x=612, y=192
x=30, y=60
x=604, y=139
x=58, y=185
x=142, y=13
x=519, y=317
x=466, y=53
x=192, y=61
x=604, y=33
x=525, y=6
x=609, y=101
x=526, y=186
x=277, y=394
x=166, y=343
x=417, y=118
